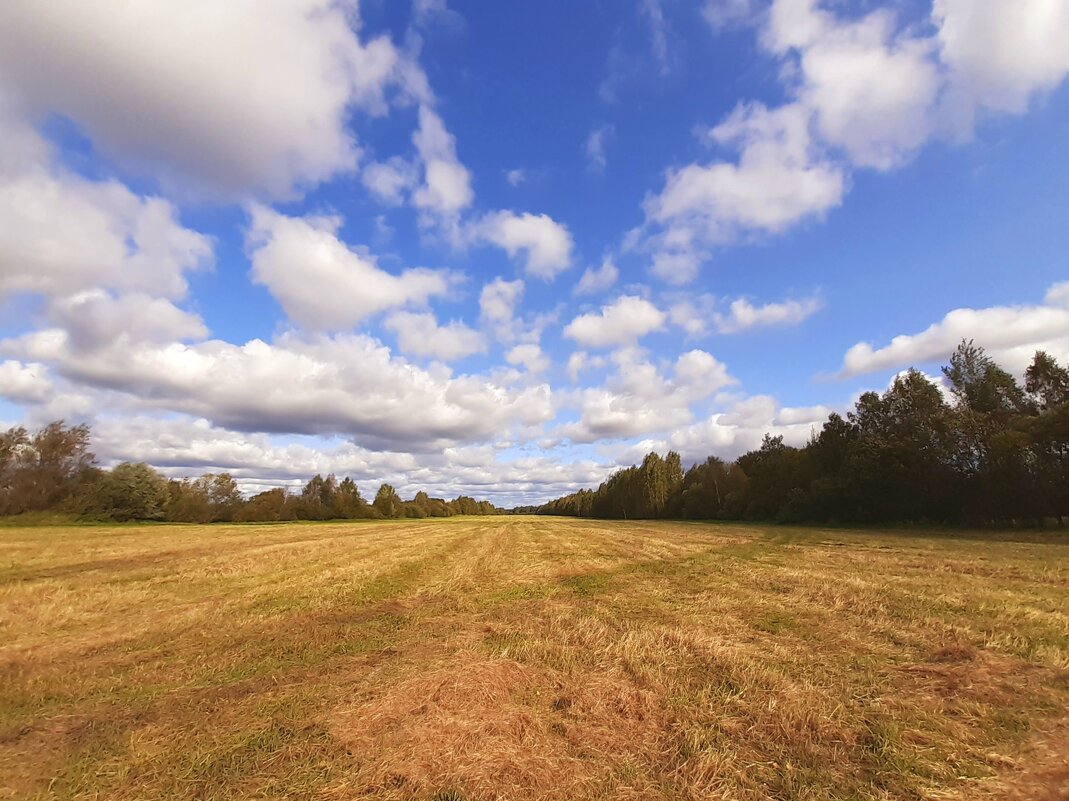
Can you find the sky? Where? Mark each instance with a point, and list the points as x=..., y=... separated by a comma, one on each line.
x=502, y=249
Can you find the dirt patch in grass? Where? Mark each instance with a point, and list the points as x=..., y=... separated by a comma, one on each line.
x=495, y=728
x=1040, y=772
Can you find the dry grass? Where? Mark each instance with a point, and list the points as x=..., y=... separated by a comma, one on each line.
x=530, y=658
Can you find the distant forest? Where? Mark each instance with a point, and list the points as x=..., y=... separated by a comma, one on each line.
x=996, y=453
x=53, y=470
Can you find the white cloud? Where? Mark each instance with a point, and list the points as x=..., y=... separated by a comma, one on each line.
x=547, y=244
x=421, y=335
x=741, y=428
x=864, y=92
x=322, y=283
x=1058, y=295
x=776, y=182
x=530, y=356
x=580, y=360
x=347, y=385
x=24, y=383
x=621, y=322
x=596, y=144
x=447, y=183
x=234, y=98
x=497, y=305
x=872, y=90
x=692, y=316
x=744, y=316
x=62, y=233
x=597, y=280
x=515, y=177
x=676, y=267
x=95, y=318
x=1010, y=334
x=999, y=54
x=640, y=398
x=389, y=181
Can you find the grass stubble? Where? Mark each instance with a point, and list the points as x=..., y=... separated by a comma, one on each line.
x=472, y=659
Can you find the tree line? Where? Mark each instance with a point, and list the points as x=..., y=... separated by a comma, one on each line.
x=53, y=470
x=994, y=453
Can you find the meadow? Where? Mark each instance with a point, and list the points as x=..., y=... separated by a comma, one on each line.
x=470, y=659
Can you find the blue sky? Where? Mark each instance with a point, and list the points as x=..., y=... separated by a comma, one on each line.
x=503, y=249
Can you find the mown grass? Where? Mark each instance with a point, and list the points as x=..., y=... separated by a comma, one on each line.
x=530, y=658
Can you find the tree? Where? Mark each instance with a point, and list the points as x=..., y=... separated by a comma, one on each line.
x=187, y=502
x=224, y=497
x=132, y=492
x=1047, y=382
x=348, y=503
x=714, y=490
x=387, y=503
x=982, y=386
x=270, y=505
x=899, y=458
x=40, y=472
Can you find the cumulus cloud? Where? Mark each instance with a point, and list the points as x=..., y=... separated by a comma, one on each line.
x=61, y=233
x=677, y=266
x=776, y=182
x=597, y=280
x=779, y=179
x=515, y=177
x=545, y=243
x=24, y=383
x=622, y=322
x=347, y=385
x=1000, y=55
x=96, y=318
x=741, y=427
x=421, y=335
x=692, y=314
x=580, y=360
x=322, y=283
x=231, y=99
x=498, y=300
x=639, y=398
x=389, y=181
x=872, y=89
x=744, y=316
x=530, y=356
x=1010, y=334
x=446, y=188
x=864, y=92
x=1058, y=295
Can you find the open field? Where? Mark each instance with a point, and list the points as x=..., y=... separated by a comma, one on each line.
x=530, y=658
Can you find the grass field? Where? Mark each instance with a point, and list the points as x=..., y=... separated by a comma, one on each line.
x=530, y=658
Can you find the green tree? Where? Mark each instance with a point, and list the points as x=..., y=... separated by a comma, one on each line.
x=132, y=491
x=387, y=503
x=40, y=471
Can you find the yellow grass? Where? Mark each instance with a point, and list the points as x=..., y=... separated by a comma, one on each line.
x=530, y=658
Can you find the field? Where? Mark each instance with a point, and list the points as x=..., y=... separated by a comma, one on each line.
x=531, y=658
